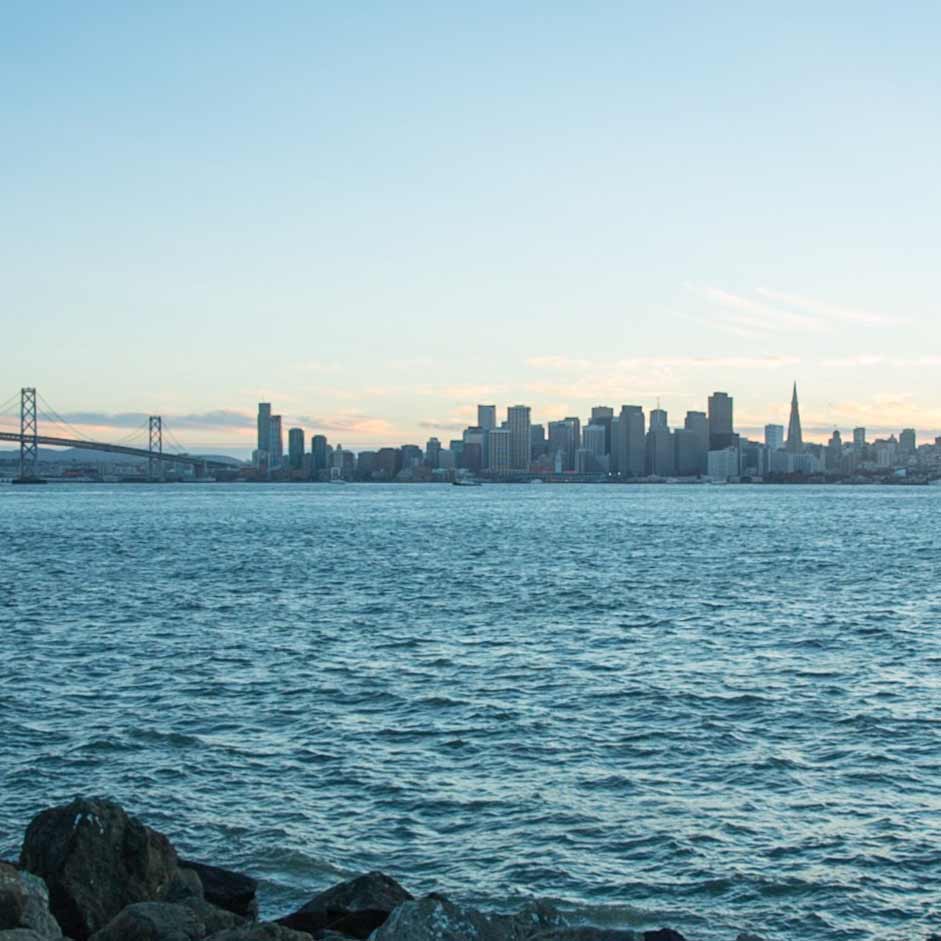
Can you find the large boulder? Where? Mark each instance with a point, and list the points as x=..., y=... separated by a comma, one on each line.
x=21, y=934
x=260, y=931
x=24, y=903
x=232, y=891
x=96, y=860
x=353, y=909
x=434, y=918
x=586, y=933
x=153, y=921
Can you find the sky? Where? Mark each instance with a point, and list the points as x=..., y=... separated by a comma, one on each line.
x=377, y=215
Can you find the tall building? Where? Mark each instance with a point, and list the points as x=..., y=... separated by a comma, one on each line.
x=432, y=453
x=501, y=450
x=907, y=441
x=698, y=424
x=318, y=455
x=689, y=453
x=721, y=430
x=658, y=420
x=774, y=436
x=593, y=439
x=487, y=417
x=264, y=433
x=275, y=443
x=518, y=422
x=630, y=445
x=296, y=449
x=795, y=438
x=834, y=453
x=859, y=437
x=537, y=441
x=661, y=455
x=603, y=415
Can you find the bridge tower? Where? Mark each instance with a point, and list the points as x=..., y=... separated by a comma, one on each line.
x=156, y=447
x=29, y=431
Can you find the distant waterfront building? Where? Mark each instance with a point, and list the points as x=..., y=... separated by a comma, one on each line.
x=721, y=430
x=698, y=424
x=518, y=420
x=564, y=443
x=501, y=450
x=908, y=441
x=412, y=456
x=318, y=455
x=859, y=437
x=603, y=415
x=774, y=437
x=658, y=419
x=834, y=451
x=296, y=449
x=365, y=465
x=661, y=456
x=630, y=446
x=688, y=459
x=795, y=438
x=487, y=417
x=445, y=459
x=594, y=439
x=537, y=441
x=275, y=443
x=264, y=434
x=432, y=453
x=388, y=463
x=723, y=463
x=474, y=453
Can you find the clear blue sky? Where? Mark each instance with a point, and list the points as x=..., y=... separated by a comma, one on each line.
x=377, y=215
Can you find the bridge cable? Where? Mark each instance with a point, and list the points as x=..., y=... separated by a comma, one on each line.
x=58, y=418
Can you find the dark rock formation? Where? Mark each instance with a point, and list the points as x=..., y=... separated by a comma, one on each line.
x=96, y=860
x=153, y=921
x=586, y=933
x=24, y=903
x=232, y=891
x=260, y=931
x=663, y=934
x=353, y=909
x=20, y=934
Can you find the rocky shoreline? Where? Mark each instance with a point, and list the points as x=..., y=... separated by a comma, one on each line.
x=88, y=871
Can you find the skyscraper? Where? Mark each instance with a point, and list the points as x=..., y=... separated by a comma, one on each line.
x=275, y=443
x=296, y=449
x=264, y=434
x=318, y=455
x=907, y=441
x=721, y=430
x=774, y=437
x=432, y=453
x=518, y=421
x=795, y=439
x=630, y=445
x=859, y=437
x=698, y=424
x=603, y=415
x=487, y=417
x=501, y=447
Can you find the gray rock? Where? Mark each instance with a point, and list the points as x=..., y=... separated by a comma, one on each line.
x=153, y=921
x=24, y=903
x=434, y=918
x=185, y=885
x=20, y=934
x=233, y=891
x=748, y=936
x=354, y=908
x=260, y=931
x=586, y=933
x=214, y=918
x=96, y=860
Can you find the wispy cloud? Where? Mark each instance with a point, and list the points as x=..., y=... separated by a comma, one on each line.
x=219, y=419
x=830, y=311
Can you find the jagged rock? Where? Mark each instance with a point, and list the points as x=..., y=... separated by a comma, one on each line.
x=20, y=934
x=232, y=891
x=214, y=918
x=260, y=931
x=96, y=861
x=153, y=921
x=748, y=936
x=586, y=933
x=24, y=903
x=663, y=934
x=184, y=886
x=434, y=918
x=354, y=908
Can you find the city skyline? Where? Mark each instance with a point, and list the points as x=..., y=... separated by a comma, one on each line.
x=379, y=217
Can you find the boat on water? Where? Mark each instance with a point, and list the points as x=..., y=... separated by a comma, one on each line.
x=465, y=482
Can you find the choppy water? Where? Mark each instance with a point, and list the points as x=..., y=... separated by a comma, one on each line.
x=710, y=707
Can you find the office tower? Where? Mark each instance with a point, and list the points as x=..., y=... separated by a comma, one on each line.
x=576, y=424
x=593, y=439
x=603, y=415
x=365, y=465
x=275, y=443
x=658, y=419
x=687, y=453
x=412, y=456
x=296, y=449
x=907, y=441
x=774, y=436
x=487, y=417
x=456, y=447
x=432, y=453
x=475, y=448
x=630, y=445
x=795, y=439
x=834, y=451
x=388, y=463
x=264, y=433
x=661, y=457
x=698, y=425
x=318, y=455
x=501, y=449
x=563, y=441
x=859, y=437
x=445, y=459
x=518, y=422
x=537, y=441
x=721, y=431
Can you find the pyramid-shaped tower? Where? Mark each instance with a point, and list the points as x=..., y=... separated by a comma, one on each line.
x=795, y=439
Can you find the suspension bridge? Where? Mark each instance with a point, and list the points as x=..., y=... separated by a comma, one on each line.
x=33, y=407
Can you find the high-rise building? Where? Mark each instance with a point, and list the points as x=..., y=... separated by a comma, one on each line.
x=296, y=449
x=795, y=438
x=487, y=417
x=365, y=465
x=537, y=441
x=698, y=424
x=603, y=415
x=564, y=442
x=593, y=439
x=264, y=433
x=432, y=453
x=661, y=456
x=774, y=436
x=518, y=421
x=501, y=450
x=630, y=446
x=908, y=441
x=412, y=456
x=275, y=443
x=318, y=455
x=721, y=427
x=689, y=453
x=475, y=450
x=834, y=453
x=658, y=420
x=859, y=437
x=388, y=463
